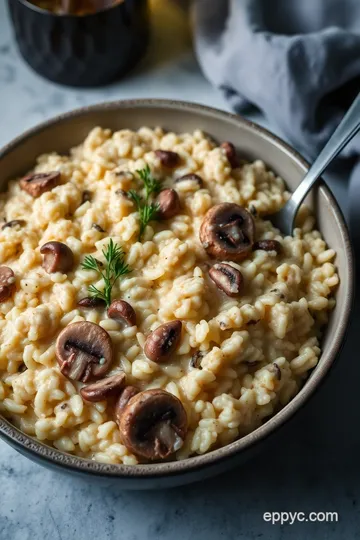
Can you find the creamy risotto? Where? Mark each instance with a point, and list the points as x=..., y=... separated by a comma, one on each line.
x=149, y=310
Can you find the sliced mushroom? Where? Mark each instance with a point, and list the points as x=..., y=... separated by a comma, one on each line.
x=103, y=389
x=7, y=283
x=227, y=232
x=163, y=341
x=230, y=152
x=190, y=178
x=227, y=278
x=168, y=159
x=14, y=223
x=58, y=257
x=123, y=400
x=123, y=311
x=84, y=351
x=39, y=183
x=169, y=204
x=268, y=245
x=153, y=425
x=91, y=302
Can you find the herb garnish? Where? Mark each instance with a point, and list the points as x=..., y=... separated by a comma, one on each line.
x=147, y=209
x=115, y=267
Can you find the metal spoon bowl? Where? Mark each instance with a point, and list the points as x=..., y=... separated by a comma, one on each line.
x=284, y=219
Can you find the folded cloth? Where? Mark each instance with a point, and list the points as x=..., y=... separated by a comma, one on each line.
x=297, y=62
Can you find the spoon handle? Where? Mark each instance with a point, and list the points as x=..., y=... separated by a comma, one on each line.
x=346, y=130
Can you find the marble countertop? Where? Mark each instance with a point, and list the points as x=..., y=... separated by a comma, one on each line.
x=312, y=465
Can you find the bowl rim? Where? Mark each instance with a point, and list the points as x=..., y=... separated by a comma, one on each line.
x=40, y=451
x=47, y=13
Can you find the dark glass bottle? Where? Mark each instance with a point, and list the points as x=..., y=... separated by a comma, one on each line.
x=81, y=50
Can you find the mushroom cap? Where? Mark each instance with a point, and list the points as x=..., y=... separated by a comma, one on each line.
x=268, y=245
x=84, y=351
x=153, y=425
x=169, y=204
x=168, y=158
x=38, y=183
x=192, y=177
x=163, y=341
x=230, y=152
x=227, y=232
x=104, y=389
x=7, y=283
x=124, y=398
x=123, y=311
x=227, y=278
x=58, y=257
x=91, y=302
x=14, y=223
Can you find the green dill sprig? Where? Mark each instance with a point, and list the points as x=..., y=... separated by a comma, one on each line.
x=147, y=210
x=151, y=185
x=114, y=268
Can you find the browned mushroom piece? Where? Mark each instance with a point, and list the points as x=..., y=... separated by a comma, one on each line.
x=91, y=302
x=230, y=152
x=153, y=425
x=123, y=400
x=7, y=283
x=169, y=204
x=227, y=232
x=191, y=178
x=227, y=278
x=84, y=351
x=122, y=311
x=104, y=389
x=268, y=245
x=163, y=341
x=168, y=159
x=14, y=223
x=58, y=257
x=38, y=183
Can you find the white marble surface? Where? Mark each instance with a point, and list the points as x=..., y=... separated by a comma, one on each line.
x=311, y=466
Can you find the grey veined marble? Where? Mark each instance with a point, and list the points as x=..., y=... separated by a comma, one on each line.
x=313, y=465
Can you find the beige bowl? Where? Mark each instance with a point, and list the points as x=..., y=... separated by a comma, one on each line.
x=70, y=129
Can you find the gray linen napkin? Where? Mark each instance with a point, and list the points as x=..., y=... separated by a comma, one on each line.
x=296, y=61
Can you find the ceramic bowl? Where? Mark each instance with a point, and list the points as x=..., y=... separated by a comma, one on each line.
x=86, y=50
x=252, y=141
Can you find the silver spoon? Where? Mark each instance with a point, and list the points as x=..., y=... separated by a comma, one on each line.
x=284, y=219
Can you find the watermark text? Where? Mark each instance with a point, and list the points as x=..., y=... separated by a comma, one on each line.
x=292, y=517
